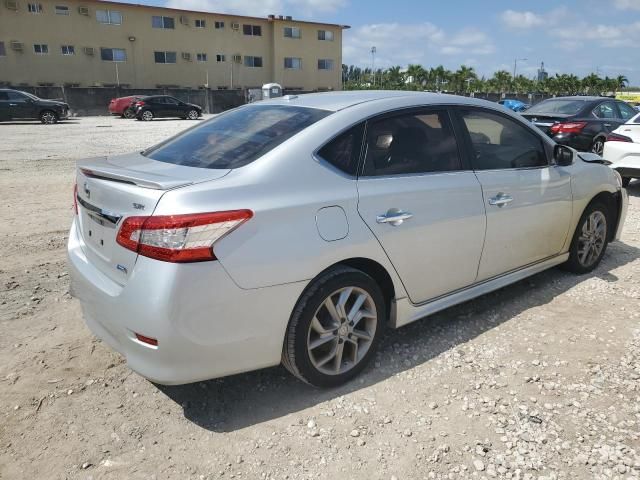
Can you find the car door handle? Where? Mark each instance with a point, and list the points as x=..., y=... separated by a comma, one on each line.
x=394, y=217
x=607, y=124
x=12, y=104
x=500, y=200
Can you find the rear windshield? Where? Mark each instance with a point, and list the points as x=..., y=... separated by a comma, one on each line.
x=566, y=107
x=236, y=138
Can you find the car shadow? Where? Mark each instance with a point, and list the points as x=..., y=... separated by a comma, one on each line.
x=239, y=401
x=633, y=189
x=38, y=122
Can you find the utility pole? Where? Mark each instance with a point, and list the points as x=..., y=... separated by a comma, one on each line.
x=515, y=65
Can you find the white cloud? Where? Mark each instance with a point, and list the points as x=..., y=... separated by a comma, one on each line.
x=608, y=36
x=260, y=8
x=513, y=19
x=401, y=44
x=627, y=4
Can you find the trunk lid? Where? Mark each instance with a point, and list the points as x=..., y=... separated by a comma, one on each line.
x=113, y=188
x=545, y=121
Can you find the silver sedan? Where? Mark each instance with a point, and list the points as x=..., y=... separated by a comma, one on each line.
x=295, y=230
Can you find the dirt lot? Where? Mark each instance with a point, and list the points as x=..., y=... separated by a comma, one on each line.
x=540, y=380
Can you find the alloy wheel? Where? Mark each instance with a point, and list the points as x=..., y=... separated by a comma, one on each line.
x=342, y=330
x=147, y=116
x=193, y=115
x=598, y=146
x=592, y=238
x=48, y=118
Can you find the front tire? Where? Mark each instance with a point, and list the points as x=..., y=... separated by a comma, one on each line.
x=590, y=239
x=597, y=146
x=147, y=115
x=626, y=181
x=335, y=328
x=193, y=115
x=48, y=117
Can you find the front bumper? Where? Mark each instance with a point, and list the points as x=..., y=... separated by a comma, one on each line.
x=206, y=326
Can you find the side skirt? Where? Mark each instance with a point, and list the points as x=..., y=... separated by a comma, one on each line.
x=406, y=312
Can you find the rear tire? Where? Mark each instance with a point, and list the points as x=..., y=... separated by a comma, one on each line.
x=147, y=116
x=597, y=146
x=129, y=113
x=48, y=117
x=335, y=328
x=626, y=181
x=590, y=239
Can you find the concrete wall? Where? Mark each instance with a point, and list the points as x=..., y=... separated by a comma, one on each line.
x=140, y=40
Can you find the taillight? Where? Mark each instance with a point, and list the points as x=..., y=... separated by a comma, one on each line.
x=568, y=127
x=179, y=238
x=615, y=137
x=139, y=104
x=75, y=198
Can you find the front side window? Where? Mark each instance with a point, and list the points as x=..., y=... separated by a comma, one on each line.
x=343, y=152
x=293, y=63
x=325, y=64
x=68, y=50
x=291, y=32
x=3, y=50
x=253, y=30
x=41, y=49
x=165, y=57
x=605, y=111
x=252, y=61
x=325, y=35
x=113, y=54
x=626, y=112
x=200, y=23
x=62, y=10
x=201, y=57
x=109, y=17
x=163, y=22
x=236, y=138
x=421, y=142
x=501, y=143
x=34, y=8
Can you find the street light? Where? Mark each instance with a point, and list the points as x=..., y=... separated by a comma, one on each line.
x=515, y=65
x=373, y=64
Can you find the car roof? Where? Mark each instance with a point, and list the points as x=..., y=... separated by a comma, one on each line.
x=581, y=98
x=334, y=101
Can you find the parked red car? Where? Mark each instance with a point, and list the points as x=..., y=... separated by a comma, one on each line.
x=123, y=106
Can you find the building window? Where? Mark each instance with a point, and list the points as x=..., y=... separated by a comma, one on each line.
x=253, y=30
x=293, y=63
x=219, y=24
x=62, y=10
x=201, y=57
x=162, y=22
x=34, y=7
x=165, y=57
x=252, y=61
x=3, y=51
x=113, y=54
x=291, y=32
x=68, y=50
x=109, y=17
x=325, y=35
x=220, y=58
x=41, y=49
x=200, y=23
x=325, y=64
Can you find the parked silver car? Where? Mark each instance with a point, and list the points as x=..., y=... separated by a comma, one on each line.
x=295, y=230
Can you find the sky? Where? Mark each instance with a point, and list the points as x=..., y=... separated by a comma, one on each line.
x=569, y=36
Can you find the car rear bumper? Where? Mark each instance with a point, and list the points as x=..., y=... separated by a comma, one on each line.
x=206, y=326
x=624, y=157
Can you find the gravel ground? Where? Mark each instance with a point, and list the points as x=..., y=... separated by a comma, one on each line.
x=538, y=381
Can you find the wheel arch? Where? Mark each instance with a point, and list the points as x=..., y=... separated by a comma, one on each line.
x=613, y=203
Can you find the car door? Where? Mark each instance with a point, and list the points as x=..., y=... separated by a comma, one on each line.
x=421, y=200
x=608, y=116
x=20, y=106
x=4, y=106
x=172, y=107
x=528, y=200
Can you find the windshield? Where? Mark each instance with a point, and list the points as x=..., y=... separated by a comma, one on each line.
x=236, y=138
x=564, y=107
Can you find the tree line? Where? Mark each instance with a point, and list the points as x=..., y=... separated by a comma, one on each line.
x=466, y=80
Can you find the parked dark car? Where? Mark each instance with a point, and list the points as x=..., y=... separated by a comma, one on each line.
x=124, y=106
x=17, y=105
x=162, y=106
x=582, y=123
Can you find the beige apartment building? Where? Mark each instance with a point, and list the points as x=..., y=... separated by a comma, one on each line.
x=88, y=43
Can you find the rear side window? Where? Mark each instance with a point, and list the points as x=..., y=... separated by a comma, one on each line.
x=343, y=152
x=501, y=143
x=419, y=142
x=626, y=112
x=605, y=110
x=236, y=138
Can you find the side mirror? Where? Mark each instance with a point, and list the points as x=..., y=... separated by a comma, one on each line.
x=563, y=155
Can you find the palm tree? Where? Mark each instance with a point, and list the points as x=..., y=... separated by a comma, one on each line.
x=502, y=80
x=462, y=77
x=416, y=74
x=622, y=81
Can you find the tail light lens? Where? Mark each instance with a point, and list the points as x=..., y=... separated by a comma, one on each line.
x=179, y=238
x=568, y=127
x=615, y=137
x=75, y=198
x=139, y=104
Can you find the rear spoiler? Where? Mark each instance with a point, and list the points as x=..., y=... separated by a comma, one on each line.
x=103, y=173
